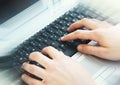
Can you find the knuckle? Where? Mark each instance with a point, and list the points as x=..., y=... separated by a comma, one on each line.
x=95, y=32
x=32, y=69
x=77, y=32
x=99, y=33
x=84, y=20
x=92, y=34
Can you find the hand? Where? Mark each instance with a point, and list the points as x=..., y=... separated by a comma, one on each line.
x=100, y=31
x=60, y=70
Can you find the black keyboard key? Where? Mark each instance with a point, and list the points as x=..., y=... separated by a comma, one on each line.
x=80, y=17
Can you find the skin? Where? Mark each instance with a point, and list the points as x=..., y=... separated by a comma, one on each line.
x=100, y=31
x=61, y=69
x=58, y=71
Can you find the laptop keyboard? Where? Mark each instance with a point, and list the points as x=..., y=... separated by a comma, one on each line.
x=51, y=34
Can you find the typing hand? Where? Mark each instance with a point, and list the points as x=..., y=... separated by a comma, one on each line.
x=60, y=70
x=100, y=31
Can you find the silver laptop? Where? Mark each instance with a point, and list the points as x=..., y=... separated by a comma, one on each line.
x=33, y=15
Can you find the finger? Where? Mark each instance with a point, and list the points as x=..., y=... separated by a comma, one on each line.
x=92, y=50
x=35, y=70
x=79, y=34
x=30, y=81
x=88, y=23
x=40, y=58
x=52, y=52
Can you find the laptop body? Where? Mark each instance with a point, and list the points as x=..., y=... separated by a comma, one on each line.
x=100, y=69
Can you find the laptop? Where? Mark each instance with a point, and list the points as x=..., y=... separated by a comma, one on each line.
x=25, y=23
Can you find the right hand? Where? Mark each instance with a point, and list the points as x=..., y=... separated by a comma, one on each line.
x=58, y=70
x=102, y=32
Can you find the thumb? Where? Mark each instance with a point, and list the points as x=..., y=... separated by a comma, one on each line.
x=93, y=50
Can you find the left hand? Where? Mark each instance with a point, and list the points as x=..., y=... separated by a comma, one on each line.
x=60, y=70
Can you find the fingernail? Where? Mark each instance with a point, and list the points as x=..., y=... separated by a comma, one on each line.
x=68, y=29
x=62, y=38
x=79, y=48
x=23, y=76
x=23, y=65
